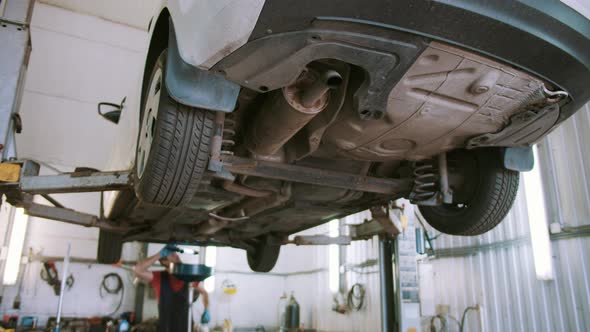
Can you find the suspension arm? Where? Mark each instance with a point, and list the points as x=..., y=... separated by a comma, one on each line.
x=296, y=173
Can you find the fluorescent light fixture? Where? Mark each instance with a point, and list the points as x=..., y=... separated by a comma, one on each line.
x=334, y=258
x=15, y=247
x=539, y=229
x=210, y=260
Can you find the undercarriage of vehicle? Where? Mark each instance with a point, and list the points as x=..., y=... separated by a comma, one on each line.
x=314, y=138
x=328, y=123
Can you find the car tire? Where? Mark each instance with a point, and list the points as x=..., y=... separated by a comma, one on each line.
x=489, y=202
x=109, y=247
x=264, y=257
x=172, y=146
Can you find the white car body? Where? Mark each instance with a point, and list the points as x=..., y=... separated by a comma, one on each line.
x=209, y=30
x=206, y=31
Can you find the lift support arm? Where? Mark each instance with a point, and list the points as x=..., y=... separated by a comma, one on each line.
x=19, y=181
x=28, y=180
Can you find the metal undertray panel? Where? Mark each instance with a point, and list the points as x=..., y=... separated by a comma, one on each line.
x=446, y=97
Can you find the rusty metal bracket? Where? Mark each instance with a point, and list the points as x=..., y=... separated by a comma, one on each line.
x=20, y=188
x=29, y=181
x=383, y=216
x=381, y=224
x=319, y=240
x=70, y=216
x=76, y=182
x=296, y=173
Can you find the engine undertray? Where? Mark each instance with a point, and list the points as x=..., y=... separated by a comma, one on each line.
x=446, y=97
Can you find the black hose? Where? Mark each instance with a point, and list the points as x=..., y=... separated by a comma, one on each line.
x=119, y=287
x=356, y=297
x=462, y=325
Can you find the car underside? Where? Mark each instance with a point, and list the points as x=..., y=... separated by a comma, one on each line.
x=334, y=116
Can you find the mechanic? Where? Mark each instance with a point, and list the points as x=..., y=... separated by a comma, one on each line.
x=170, y=291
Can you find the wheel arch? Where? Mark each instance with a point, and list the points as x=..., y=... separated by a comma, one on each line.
x=185, y=83
x=158, y=42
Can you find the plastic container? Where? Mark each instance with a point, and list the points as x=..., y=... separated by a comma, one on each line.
x=123, y=326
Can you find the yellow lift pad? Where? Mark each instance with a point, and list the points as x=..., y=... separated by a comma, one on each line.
x=9, y=172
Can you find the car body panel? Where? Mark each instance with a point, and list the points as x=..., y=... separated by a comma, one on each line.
x=207, y=31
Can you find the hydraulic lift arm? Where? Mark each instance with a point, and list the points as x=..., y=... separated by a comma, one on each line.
x=20, y=181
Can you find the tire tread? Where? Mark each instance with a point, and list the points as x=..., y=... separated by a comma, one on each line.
x=109, y=247
x=491, y=205
x=179, y=153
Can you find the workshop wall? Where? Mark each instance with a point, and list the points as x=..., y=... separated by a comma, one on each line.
x=301, y=270
x=77, y=61
x=254, y=304
x=310, y=282
x=48, y=240
x=496, y=270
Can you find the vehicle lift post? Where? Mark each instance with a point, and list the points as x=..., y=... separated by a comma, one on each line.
x=390, y=303
x=383, y=225
x=15, y=16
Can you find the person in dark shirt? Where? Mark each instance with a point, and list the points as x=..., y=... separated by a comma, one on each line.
x=170, y=291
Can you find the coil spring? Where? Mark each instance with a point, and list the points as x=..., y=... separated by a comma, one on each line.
x=229, y=131
x=425, y=180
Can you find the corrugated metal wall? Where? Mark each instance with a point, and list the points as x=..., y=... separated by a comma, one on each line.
x=496, y=270
x=314, y=296
x=361, y=266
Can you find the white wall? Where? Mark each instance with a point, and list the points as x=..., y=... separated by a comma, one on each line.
x=134, y=13
x=301, y=270
x=76, y=62
x=254, y=304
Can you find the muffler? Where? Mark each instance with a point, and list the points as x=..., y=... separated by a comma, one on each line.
x=288, y=110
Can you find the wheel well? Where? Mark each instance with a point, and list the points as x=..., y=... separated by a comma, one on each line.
x=158, y=43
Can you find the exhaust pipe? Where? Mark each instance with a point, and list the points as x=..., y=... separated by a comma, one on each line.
x=286, y=111
x=328, y=80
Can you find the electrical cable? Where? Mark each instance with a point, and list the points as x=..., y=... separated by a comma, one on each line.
x=443, y=322
x=119, y=287
x=474, y=308
x=443, y=325
x=356, y=297
x=213, y=215
x=454, y=320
